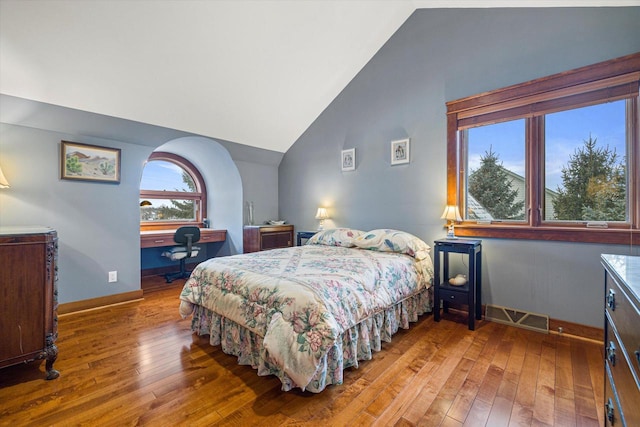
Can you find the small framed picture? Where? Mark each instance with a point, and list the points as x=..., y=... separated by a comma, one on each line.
x=400, y=151
x=349, y=160
x=89, y=162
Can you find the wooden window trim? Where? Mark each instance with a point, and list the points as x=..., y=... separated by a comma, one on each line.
x=606, y=81
x=200, y=194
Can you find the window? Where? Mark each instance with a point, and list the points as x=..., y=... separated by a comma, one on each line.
x=555, y=158
x=496, y=172
x=172, y=193
x=585, y=164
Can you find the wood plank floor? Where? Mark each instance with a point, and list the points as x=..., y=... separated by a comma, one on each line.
x=139, y=364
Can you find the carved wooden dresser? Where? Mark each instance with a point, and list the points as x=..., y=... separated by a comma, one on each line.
x=28, y=296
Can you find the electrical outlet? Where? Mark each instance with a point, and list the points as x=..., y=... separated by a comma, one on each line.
x=113, y=276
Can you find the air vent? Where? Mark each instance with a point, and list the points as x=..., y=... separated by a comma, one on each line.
x=521, y=319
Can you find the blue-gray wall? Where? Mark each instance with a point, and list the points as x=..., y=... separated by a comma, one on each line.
x=98, y=224
x=438, y=56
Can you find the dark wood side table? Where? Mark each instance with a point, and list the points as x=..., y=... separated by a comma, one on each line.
x=304, y=235
x=471, y=292
x=264, y=237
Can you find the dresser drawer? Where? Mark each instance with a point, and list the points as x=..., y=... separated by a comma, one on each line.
x=276, y=240
x=624, y=315
x=612, y=413
x=627, y=389
x=447, y=295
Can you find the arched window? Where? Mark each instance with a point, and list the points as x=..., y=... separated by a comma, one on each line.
x=172, y=193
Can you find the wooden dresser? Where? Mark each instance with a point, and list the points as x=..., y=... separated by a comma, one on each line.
x=262, y=237
x=622, y=340
x=28, y=296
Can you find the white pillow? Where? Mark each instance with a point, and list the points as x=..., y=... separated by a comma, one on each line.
x=388, y=240
x=335, y=237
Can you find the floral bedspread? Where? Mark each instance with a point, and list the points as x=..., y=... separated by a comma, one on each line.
x=301, y=299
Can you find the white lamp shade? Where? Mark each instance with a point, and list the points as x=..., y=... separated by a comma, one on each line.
x=451, y=213
x=3, y=181
x=322, y=214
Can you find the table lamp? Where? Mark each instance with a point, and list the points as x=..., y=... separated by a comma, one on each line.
x=452, y=214
x=3, y=181
x=321, y=214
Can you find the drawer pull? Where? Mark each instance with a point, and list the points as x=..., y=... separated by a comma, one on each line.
x=611, y=300
x=611, y=353
x=608, y=408
x=637, y=352
x=158, y=241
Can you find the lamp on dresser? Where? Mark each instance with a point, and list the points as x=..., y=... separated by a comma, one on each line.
x=3, y=181
x=322, y=214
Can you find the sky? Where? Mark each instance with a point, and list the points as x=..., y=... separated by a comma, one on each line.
x=156, y=177
x=565, y=133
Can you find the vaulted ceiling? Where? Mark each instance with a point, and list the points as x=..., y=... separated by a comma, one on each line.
x=255, y=72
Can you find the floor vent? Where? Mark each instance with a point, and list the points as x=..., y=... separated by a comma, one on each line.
x=518, y=318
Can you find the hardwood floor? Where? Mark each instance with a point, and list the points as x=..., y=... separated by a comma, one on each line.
x=138, y=364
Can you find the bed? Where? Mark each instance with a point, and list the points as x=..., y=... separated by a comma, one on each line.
x=307, y=313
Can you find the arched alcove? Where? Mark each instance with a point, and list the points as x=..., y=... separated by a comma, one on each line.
x=223, y=182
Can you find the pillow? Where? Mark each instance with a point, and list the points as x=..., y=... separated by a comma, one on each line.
x=386, y=240
x=335, y=237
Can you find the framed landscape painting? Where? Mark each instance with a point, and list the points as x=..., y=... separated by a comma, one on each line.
x=89, y=162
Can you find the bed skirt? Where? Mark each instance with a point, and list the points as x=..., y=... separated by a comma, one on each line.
x=357, y=343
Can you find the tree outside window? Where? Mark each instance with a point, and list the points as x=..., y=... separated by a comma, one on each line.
x=571, y=172
x=491, y=186
x=172, y=193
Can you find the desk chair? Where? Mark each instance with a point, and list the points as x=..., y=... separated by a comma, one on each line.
x=185, y=236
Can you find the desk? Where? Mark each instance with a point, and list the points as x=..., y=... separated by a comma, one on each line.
x=157, y=238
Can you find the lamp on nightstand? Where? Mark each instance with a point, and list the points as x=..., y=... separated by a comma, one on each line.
x=3, y=181
x=452, y=214
x=322, y=214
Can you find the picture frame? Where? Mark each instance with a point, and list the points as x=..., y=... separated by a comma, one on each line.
x=400, y=151
x=348, y=160
x=84, y=162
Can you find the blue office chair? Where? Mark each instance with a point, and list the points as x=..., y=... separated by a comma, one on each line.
x=185, y=236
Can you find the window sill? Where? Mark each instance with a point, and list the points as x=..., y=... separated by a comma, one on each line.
x=168, y=225
x=562, y=234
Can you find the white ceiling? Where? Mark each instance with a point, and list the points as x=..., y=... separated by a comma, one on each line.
x=255, y=72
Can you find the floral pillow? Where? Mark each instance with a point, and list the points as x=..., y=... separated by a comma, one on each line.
x=386, y=240
x=335, y=237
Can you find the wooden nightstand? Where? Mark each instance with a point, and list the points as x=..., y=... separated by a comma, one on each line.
x=304, y=235
x=471, y=292
x=264, y=237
